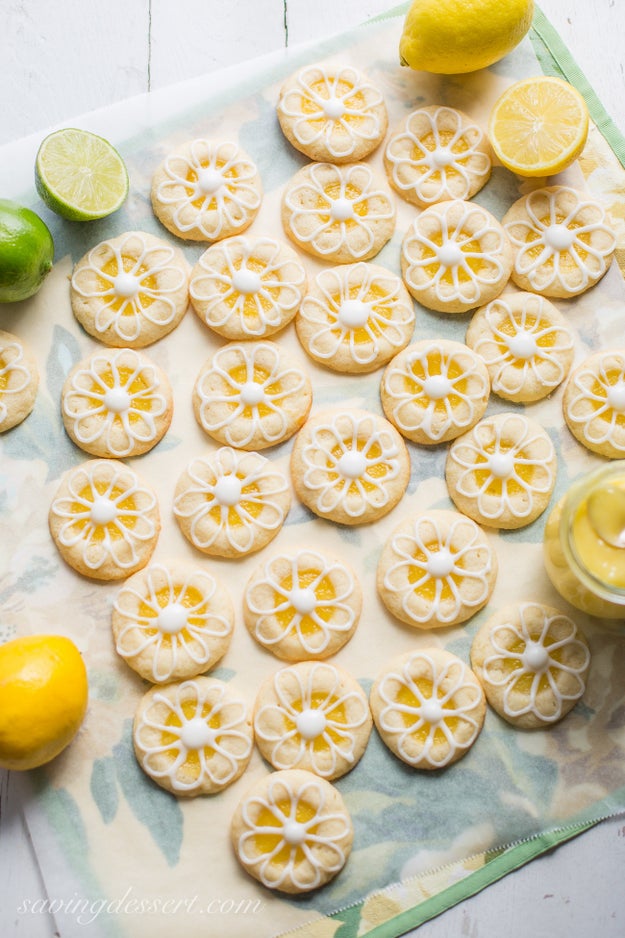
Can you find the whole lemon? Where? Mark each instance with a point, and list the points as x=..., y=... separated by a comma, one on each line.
x=43, y=699
x=26, y=252
x=454, y=36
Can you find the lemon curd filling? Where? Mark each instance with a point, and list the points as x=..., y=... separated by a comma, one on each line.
x=373, y=470
x=134, y=389
x=186, y=596
x=433, y=142
x=147, y=282
x=325, y=593
x=125, y=514
x=407, y=698
x=281, y=813
x=428, y=588
x=344, y=90
x=379, y=305
x=4, y=375
x=420, y=371
x=329, y=739
x=190, y=712
x=523, y=472
x=592, y=530
x=472, y=259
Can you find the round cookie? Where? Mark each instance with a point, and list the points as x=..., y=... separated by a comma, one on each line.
x=206, y=191
x=594, y=403
x=332, y=113
x=434, y=390
x=436, y=569
x=292, y=831
x=19, y=381
x=428, y=708
x=116, y=403
x=338, y=213
x=131, y=290
x=355, y=317
x=251, y=395
x=247, y=288
x=231, y=503
x=349, y=466
x=302, y=605
x=526, y=344
x=455, y=256
x=172, y=621
x=562, y=244
x=104, y=519
x=532, y=662
x=437, y=154
x=502, y=472
x=312, y=716
x=193, y=738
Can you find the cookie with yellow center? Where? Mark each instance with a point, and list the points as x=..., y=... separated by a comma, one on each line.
x=19, y=380
x=594, y=403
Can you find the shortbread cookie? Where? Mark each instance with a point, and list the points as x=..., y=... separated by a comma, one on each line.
x=436, y=569
x=231, y=503
x=193, y=738
x=502, y=472
x=338, y=213
x=526, y=343
x=437, y=154
x=302, y=605
x=332, y=113
x=251, y=395
x=116, y=403
x=292, y=831
x=455, y=256
x=131, y=290
x=206, y=191
x=594, y=403
x=312, y=716
x=104, y=519
x=561, y=241
x=435, y=390
x=172, y=621
x=247, y=288
x=355, y=317
x=532, y=662
x=19, y=380
x=428, y=707
x=349, y=466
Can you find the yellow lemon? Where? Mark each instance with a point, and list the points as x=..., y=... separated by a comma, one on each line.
x=43, y=699
x=538, y=126
x=453, y=36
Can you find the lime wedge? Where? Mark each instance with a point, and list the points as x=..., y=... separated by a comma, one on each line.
x=79, y=175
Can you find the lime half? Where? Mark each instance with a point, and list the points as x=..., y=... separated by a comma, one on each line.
x=79, y=175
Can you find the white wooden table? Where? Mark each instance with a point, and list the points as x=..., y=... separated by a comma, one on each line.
x=56, y=63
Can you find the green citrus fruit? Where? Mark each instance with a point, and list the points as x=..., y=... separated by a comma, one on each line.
x=26, y=252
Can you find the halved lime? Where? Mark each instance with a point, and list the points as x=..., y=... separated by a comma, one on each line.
x=79, y=175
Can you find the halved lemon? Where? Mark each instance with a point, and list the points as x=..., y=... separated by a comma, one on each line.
x=538, y=126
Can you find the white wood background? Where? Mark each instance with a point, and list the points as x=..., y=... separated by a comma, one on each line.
x=60, y=60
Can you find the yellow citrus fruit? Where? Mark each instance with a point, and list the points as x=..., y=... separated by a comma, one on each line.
x=26, y=252
x=454, y=36
x=538, y=126
x=43, y=699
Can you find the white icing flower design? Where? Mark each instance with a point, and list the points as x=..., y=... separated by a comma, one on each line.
x=440, y=567
x=438, y=155
x=212, y=187
x=361, y=308
x=134, y=281
x=443, y=703
x=246, y=392
x=598, y=402
x=564, y=242
x=313, y=717
x=528, y=659
x=351, y=462
x=331, y=208
x=203, y=733
x=334, y=108
x=14, y=374
x=286, y=833
x=311, y=602
x=106, y=514
x=115, y=399
x=171, y=619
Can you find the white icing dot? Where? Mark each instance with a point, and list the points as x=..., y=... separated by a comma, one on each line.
x=558, y=237
x=294, y=833
x=522, y=345
x=310, y=723
x=441, y=157
x=616, y=396
x=352, y=465
x=246, y=281
x=440, y=563
x=353, y=314
x=172, y=618
x=195, y=734
x=227, y=490
x=126, y=285
x=535, y=656
x=303, y=600
x=432, y=712
x=501, y=465
x=252, y=393
x=342, y=210
x=117, y=400
x=449, y=254
x=208, y=181
x=103, y=510
x=437, y=386
x=333, y=108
